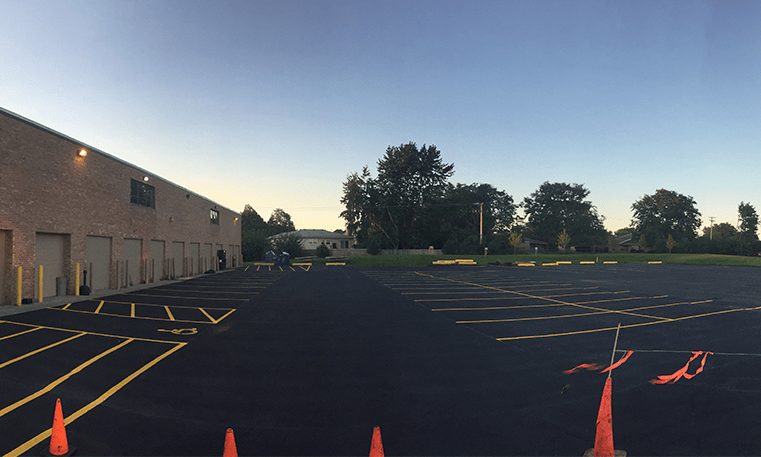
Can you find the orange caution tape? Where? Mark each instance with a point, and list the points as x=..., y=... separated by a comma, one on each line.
x=588, y=366
x=682, y=372
x=615, y=365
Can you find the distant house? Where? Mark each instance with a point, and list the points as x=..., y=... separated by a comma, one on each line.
x=531, y=245
x=311, y=239
x=627, y=243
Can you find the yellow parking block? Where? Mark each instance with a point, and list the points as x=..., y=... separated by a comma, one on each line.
x=525, y=264
x=444, y=262
x=335, y=263
x=610, y=261
x=654, y=262
x=587, y=262
x=302, y=264
x=564, y=262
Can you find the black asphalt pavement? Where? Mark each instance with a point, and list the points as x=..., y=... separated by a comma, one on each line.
x=450, y=360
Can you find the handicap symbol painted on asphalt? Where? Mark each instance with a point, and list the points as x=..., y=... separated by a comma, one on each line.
x=181, y=331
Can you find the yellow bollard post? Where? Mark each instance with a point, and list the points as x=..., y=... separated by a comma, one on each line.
x=19, y=289
x=39, y=283
x=76, y=279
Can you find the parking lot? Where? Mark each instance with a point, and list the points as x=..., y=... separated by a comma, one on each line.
x=447, y=360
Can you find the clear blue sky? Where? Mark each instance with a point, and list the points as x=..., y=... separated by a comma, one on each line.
x=274, y=103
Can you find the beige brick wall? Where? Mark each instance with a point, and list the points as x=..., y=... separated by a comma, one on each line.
x=45, y=187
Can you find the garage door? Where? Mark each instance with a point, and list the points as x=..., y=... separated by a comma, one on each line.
x=208, y=257
x=133, y=254
x=4, y=270
x=98, y=262
x=50, y=254
x=178, y=252
x=157, y=260
x=195, y=258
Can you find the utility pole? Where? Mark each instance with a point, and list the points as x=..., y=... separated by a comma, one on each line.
x=711, y=219
x=481, y=225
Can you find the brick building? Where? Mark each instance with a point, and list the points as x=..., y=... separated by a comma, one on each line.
x=63, y=202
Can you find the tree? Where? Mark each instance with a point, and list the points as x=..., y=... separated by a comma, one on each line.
x=280, y=222
x=288, y=242
x=388, y=208
x=720, y=231
x=455, y=218
x=666, y=212
x=642, y=243
x=515, y=240
x=559, y=206
x=670, y=243
x=254, y=233
x=748, y=221
x=251, y=220
x=563, y=239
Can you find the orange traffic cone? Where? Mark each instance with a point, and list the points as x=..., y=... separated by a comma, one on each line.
x=604, y=436
x=59, y=445
x=376, y=448
x=230, y=449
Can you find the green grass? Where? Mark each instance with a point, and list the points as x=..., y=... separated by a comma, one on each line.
x=424, y=260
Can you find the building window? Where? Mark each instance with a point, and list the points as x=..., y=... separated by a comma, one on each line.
x=142, y=194
x=215, y=217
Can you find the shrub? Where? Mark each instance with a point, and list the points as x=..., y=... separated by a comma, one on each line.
x=322, y=251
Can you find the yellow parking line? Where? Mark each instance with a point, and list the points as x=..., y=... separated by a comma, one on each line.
x=46, y=434
x=132, y=310
x=107, y=335
x=99, y=307
x=29, y=354
x=139, y=317
x=169, y=313
x=20, y=333
x=63, y=378
x=207, y=315
x=66, y=306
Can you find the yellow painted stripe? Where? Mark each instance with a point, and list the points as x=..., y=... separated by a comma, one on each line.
x=63, y=378
x=46, y=434
x=107, y=335
x=132, y=310
x=587, y=262
x=537, y=297
x=66, y=306
x=207, y=315
x=247, y=268
x=141, y=317
x=654, y=262
x=20, y=333
x=99, y=307
x=154, y=304
x=29, y=354
x=626, y=326
x=169, y=313
x=224, y=316
x=610, y=262
x=186, y=298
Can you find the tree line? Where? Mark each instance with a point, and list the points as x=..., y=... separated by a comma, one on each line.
x=411, y=204
x=255, y=233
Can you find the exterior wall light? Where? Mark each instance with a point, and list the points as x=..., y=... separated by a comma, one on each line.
x=82, y=153
x=145, y=179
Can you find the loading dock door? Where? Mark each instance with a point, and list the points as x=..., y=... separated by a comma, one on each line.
x=195, y=258
x=208, y=261
x=98, y=262
x=157, y=260
x=4, y=270
x=133, y=254
x=178, y=253
x=50, y=254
